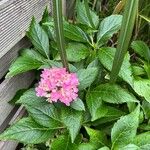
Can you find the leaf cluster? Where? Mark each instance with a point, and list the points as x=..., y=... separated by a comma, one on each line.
x=105, y=116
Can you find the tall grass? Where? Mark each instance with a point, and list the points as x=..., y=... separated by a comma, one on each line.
x=129, y=17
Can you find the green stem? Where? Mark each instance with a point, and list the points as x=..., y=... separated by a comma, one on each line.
x=58, y=21
x=125, y=37
x=94, y=4
x=88, y=13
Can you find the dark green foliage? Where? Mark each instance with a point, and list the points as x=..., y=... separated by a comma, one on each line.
x=105, y=116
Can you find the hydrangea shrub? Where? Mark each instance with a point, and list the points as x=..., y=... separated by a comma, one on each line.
x=73, y=105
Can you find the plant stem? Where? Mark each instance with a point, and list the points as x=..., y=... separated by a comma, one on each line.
x=58, y=21
x=124, y=38
x=64, y=7
x=94, y=4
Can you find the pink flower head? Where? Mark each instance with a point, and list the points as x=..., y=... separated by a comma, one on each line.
x=58, y=84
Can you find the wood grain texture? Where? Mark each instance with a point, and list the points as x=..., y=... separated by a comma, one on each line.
x=15, y=16
x=7, y=120
x=19, y=114
x=11, y=145
x=8, y=145
x=8, y=88
x=11, y=55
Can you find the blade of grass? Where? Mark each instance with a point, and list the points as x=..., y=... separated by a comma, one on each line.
x=129, y=17
x=145, y=18
x=119, y=7
x=94, y=4
x=71, y=9
x=58, y=21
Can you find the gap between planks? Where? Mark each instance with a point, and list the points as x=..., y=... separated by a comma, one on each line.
x=8, y=88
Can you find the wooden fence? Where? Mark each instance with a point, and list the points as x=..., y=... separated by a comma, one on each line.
x=15, y=16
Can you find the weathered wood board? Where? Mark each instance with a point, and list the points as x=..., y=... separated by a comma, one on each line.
x=15, y=17
x=8, y=145
x=8, y=88
x=11, y=55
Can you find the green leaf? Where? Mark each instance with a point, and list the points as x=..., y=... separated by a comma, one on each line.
x=128, y=21
x=145, y=147
x=46, y=16
x=134, y=147
x=142, y=139
x=131, y=106
x=49, y=28
x=78, y=105
x=46, y=115
x=97, y=137
x=27, y=131
x=108, y=27
x=130, y=147
x=94, y=63
x=146, y=109
x=110, y=118
x=74, y=33
x=147, y=69
x=83, y=16
x=106, y=56
x=145, y=18
x=104, y=111
x=52, y=63
x=17, y=96
x=86, y=146
x=124, y=130
x=142, y=88
x=117, y=95
x=29, y=98
x=28, y=60
x=104, y=148
x=138, y=70
x=88, y=13
x=41, y=111
x=142, y=49
x=39, y=38
x=86, y=77
x=32, y=53
x=63, y=142
x=76, y=52
x=145, y=127
x=72, y=119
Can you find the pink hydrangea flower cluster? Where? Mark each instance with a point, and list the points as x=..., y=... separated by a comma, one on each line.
x=57, y=84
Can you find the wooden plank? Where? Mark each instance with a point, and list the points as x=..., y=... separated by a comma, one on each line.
x=8, y=88
x=16, y=27
x=11, y=55
x=4, y=3
x=19, y=114
x=15, y=16
x=7, y=120
x=11, y=145
x=15, y=19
